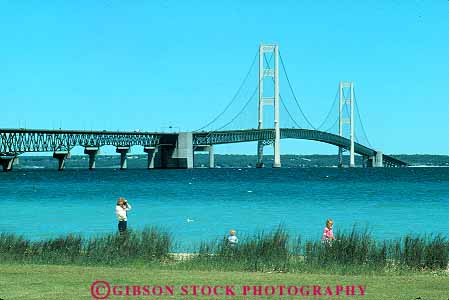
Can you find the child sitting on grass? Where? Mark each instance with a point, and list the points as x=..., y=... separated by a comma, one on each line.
x=328, y=234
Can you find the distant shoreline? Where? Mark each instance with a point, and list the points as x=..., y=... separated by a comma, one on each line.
x=139, y=161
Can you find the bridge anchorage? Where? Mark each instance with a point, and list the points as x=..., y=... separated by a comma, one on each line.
x=176, y=150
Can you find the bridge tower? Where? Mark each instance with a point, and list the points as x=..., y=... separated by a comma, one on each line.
x=269, y=101
x=342, y=120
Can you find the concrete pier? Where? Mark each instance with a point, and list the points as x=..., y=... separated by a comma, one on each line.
x=376, y=161
x=183, y=153
x=175, y=153
x=163, y=157
x=210, y=150
x=123, y=150
x=259, y=163
x=61, y=156
x=151, y=153
x=92, y=152
x=365, y=160
x=379, y=160
x=7, y=162
x=211, y=157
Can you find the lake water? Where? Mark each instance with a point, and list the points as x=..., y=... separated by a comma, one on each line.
x=391, y=202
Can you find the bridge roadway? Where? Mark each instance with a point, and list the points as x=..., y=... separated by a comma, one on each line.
x=247, y=135
x=165, y=150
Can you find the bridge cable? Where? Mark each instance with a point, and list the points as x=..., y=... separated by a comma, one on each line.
x=283, y=104
x=244, y=107
x=280, y=96
x=241, y=111
x=249, y=100
x=333, y=125
x=330, y=111
x=294, y=96
x=348, y=115
x=360, y=119
x=235, y=95
x=356, y=138
x=288, y=112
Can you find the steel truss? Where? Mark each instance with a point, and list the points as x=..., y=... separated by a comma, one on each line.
x=16, y=141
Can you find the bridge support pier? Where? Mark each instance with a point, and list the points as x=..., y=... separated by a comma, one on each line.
x=7, y=162
x=376, y=161
x=365, y=160
x=123, y=150
x=379, y=160
x=210, y=150
x=163, y=156
x=92, y=152
x=151, y=151
x=61, y=156
x=370, y=162
x=340, y=157
x=211, y=157
x=259, y=163
x=175, y=154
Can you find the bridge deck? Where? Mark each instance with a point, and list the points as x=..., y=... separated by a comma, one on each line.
x=18, y=140
x=247, y=135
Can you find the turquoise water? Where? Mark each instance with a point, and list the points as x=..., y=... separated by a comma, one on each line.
x=391, y=202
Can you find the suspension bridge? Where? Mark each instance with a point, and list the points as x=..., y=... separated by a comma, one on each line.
x=176, y=150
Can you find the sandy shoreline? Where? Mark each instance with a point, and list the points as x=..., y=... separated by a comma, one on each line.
x=182, y=256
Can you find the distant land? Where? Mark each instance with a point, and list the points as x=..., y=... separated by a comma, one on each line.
x=222, y=161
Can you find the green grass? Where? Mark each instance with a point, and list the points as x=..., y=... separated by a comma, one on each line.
x=65, y=267
x=150, y=244
x=53, y=282
x=353, y=252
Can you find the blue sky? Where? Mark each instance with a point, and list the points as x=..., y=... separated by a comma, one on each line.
x=152, y=64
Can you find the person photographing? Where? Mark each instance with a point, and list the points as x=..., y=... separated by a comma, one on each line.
x=121, y=211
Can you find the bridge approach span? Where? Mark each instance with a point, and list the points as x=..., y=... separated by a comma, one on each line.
x=16, y=141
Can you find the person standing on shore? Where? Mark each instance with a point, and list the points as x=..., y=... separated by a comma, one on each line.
x=120, y=210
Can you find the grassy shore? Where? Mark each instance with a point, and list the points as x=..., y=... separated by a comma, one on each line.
x=73, y=282
x=354, y=252
x=65, y=267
